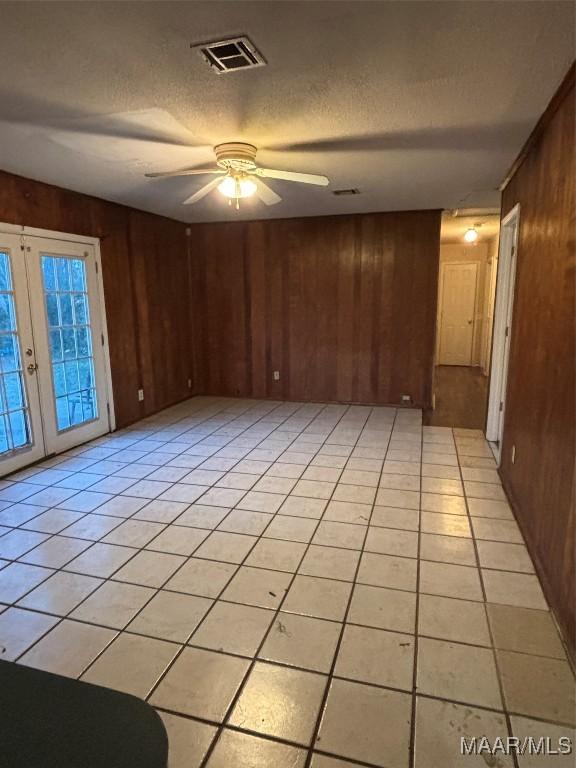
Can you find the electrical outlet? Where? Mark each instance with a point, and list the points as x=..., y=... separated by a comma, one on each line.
x=140, y=395
x=189, y=383
x=513, y=455
x=276, y=375
x=406, y=398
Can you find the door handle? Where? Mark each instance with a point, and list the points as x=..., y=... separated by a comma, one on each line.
x=32, y=368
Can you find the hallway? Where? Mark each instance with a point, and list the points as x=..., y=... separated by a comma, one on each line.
x=288, y=583
x=461, y=398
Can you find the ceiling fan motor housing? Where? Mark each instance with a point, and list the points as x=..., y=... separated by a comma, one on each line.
x=236, y=156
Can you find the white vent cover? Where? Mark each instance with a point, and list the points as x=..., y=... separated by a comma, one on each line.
x=231, y=55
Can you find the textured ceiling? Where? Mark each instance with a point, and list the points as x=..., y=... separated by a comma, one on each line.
x=417, y=104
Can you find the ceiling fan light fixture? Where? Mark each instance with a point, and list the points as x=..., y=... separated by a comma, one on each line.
x=234, y=187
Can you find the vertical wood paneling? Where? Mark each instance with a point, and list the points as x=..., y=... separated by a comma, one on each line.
x=540, y=403
x=145, y=285
x=343, y=306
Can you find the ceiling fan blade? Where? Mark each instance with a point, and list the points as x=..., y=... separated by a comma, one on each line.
x=186, y=172
x=267, y=195
x=303, y=178
x=202, y=192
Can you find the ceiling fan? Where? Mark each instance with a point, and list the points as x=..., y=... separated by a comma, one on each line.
x=239, y=177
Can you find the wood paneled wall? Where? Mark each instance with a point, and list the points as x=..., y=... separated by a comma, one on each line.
x=146, y=286
x=344, y=307
x=540, y=404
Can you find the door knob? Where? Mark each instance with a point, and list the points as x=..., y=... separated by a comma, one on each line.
x=31, y=368
x=28, y=352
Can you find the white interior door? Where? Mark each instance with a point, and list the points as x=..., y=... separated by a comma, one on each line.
x=457, y=310
x=21, y=434
x=54, y=384
x=69, y=341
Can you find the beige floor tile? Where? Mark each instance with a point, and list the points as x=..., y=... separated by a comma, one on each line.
x=226, y=547
x=245, y=521
x=505, y=557
x=347, y=512
x=524, y=728
x=461, y=621
x=520, y=589
x=161, y=511
x=345, y=535
x=321, y=598
x=389, y=541
x=440, y=725
x=68, y=648
x=121, y=506
x=222, y=497
x=276, y=555
x=383, y=608
x=538, y=687
x=401, y=467
x=170, y=616
x=447, y=549
x=281, y=469
x=300, y=506
x=330, y=562
x=301, y=641
x=458, y=672
x=189, y=493
x=280, y=702
x=360, y=477
x=490, y=508
x=450, y=580
x=113, y=604
x=445, y=525
x=376, y=656
x=323, y=761
x=93, y=527
x=16, y=579
x=151, y=569
x=400, y=482
x=441, y=471
x=202, y=516
x=203, y=477
x=53, y=521
x=357, y=494
x=497, y=530
x=314, y=489
x=205, y=578
x=388, y=571
x=524, y=630
x=442, y=485
x=389, y=517
x=134, y=533
x=201, y=684
x=366, y=465
x=242, y=749
x=484, y=490
x=101, y=560
x=481, y=475
x=61, y=593
x=257, y=586
x=178, y=540
x=262, y=502
x=249, y=624
x=132, y=664
x=188, y=740
x=323, y=474
x=16, y=543
x=365, y=723
x=445, y=504
x=291, y=528
x=19, y=629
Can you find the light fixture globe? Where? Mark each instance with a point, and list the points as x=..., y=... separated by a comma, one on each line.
x=471, y=235
x=237, y=187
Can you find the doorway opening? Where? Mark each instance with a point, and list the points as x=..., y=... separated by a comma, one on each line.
x=466, y=290
x=55, y=389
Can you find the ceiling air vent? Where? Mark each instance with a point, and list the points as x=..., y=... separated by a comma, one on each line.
x=230, y=55
x=341, y=192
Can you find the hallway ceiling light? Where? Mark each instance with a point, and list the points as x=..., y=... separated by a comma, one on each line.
x=471, y=235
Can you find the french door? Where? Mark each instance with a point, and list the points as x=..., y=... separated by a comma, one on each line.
x=53, y=379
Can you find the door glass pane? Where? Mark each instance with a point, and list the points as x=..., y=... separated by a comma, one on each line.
x=14, y=414
x=71, y=357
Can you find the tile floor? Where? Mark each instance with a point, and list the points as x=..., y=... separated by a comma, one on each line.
x=289, y=585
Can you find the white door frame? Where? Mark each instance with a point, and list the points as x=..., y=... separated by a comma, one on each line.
x=18, y=229
x=505, y=283
x=441, y=300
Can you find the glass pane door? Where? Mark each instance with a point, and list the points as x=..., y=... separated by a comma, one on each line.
x=68, y=327
x=21, y=440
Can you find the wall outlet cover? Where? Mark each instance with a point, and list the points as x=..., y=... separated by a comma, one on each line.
x=140, y=395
